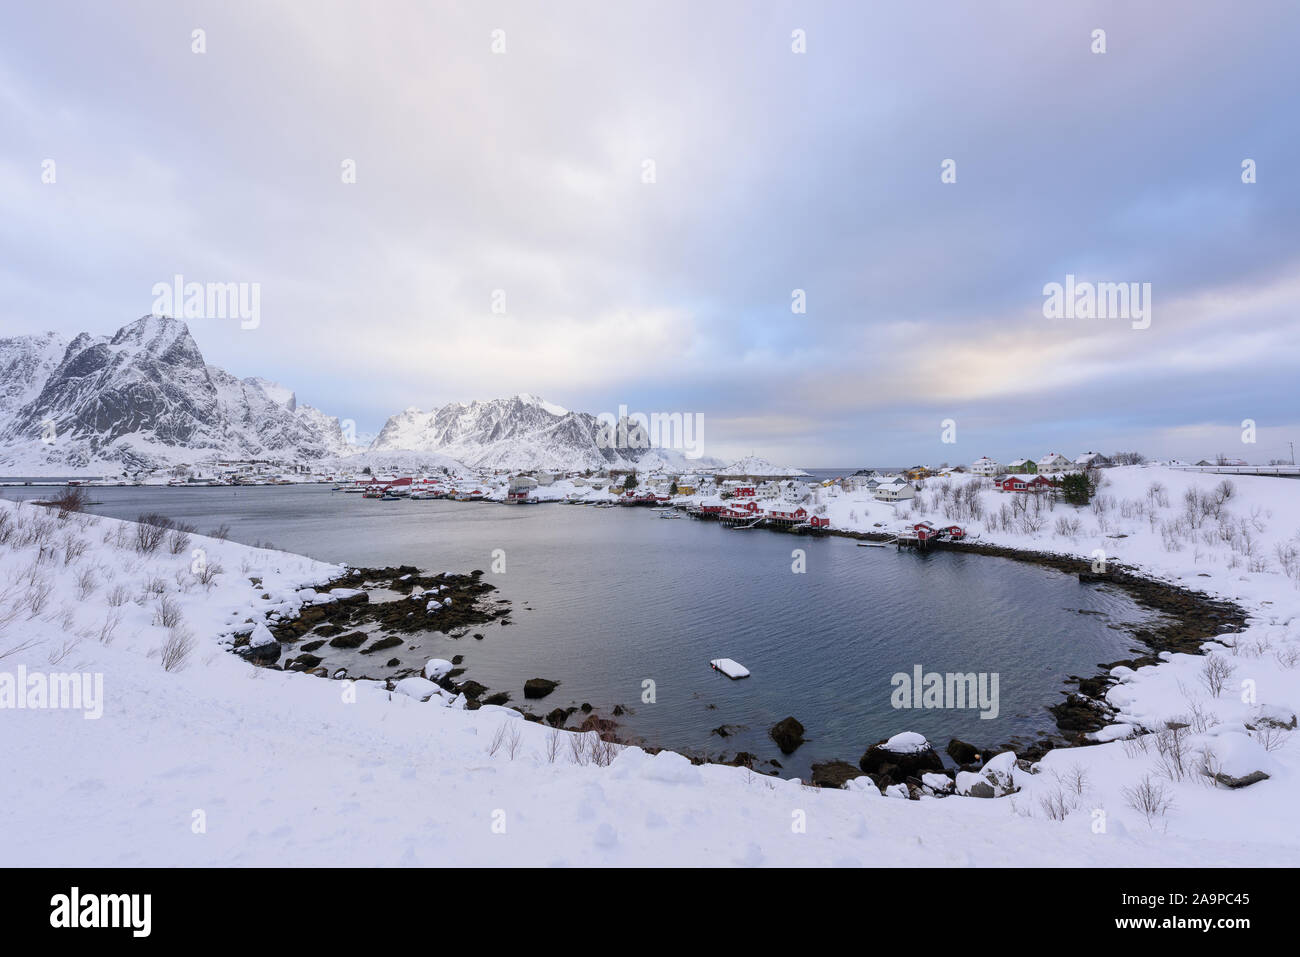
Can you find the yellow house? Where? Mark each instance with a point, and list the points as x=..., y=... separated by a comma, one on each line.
x=917, y=472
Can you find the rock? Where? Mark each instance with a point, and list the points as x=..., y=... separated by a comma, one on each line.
x=558, y=716
x=1228, y=781
x=539, y=687
x=586, y=707
x=393, y=662
x=618, y=710
x=303, y=663
x=436, y=668
x=471, y=689
x=995, y=779
x=312, y=645
x=353, y=639
x=788, y=734
x=902, y=756
x=833, y=774
x=264, y=654
x=500, y=697
x=961, y=752
x=935, y=783
x=381, y=644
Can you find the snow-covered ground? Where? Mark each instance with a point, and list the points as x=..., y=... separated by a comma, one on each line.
x=218, y=762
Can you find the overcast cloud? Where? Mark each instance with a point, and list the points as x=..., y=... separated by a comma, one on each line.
x=775, y=171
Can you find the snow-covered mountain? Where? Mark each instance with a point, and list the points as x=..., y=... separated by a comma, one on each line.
x=520, y=432
x=144, y=398
x=754, y=465
x=25, y=364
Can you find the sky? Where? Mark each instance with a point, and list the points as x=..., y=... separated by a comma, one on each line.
x=619, y=205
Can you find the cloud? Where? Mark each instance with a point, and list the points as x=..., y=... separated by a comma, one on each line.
x=523, y=173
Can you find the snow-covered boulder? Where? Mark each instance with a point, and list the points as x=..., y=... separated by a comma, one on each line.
x=904, y=755
x=436, y=668
x=995, y=779
x=421, y=689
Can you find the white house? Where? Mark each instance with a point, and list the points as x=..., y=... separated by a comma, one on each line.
x=1092, y=460
x=1053, y=462
x=986, y=466
x=894, y=491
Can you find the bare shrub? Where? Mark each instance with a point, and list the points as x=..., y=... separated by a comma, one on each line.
x=73, y=548
x=1136, y=745
x=220, y=533
x=168, y=614
x=1215, y=673
x=118, y=596
x=38, y=596
x=553, y=738
x=178, y=539
x=71, y=499
x=1057, y=804
x=150, y=530
x=56, y=655
x=109, y=628
x=175, y=651
x=208, y=573
x=1172, y=759
x=1068, y=526
x=1271, y=736
x=512, y=738
x=578, y=747
x=1288, y=657
x=87, y=582
x=1149, y=798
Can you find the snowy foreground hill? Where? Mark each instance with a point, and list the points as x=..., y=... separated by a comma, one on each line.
x=218, y=762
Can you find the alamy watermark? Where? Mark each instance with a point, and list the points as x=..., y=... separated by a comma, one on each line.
x=65, y=691
x=1101, y=300
x=74, y=909
x=209, y=300
x=658, y=430
x=953, y=690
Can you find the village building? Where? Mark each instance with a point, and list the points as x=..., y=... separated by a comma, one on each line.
x=894, y=491
x=986, y=466
x=1053, y=463
x=1023, y=467
x=1022, y=483
x=1092, y=460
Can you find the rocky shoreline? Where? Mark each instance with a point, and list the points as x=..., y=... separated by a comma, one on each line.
x=453, y=604
x=1188, y=619
x=347, y=620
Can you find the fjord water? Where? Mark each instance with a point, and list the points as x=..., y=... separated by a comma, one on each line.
x=606, y=599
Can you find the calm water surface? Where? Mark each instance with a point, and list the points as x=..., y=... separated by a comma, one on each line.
x=618, y=596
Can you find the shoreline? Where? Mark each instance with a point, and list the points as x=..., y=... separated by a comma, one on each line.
x=1189, y=619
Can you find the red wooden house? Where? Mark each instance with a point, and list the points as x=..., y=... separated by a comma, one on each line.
x=1022, y=483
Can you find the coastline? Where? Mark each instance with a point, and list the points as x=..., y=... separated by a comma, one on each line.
x=1189, y=619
